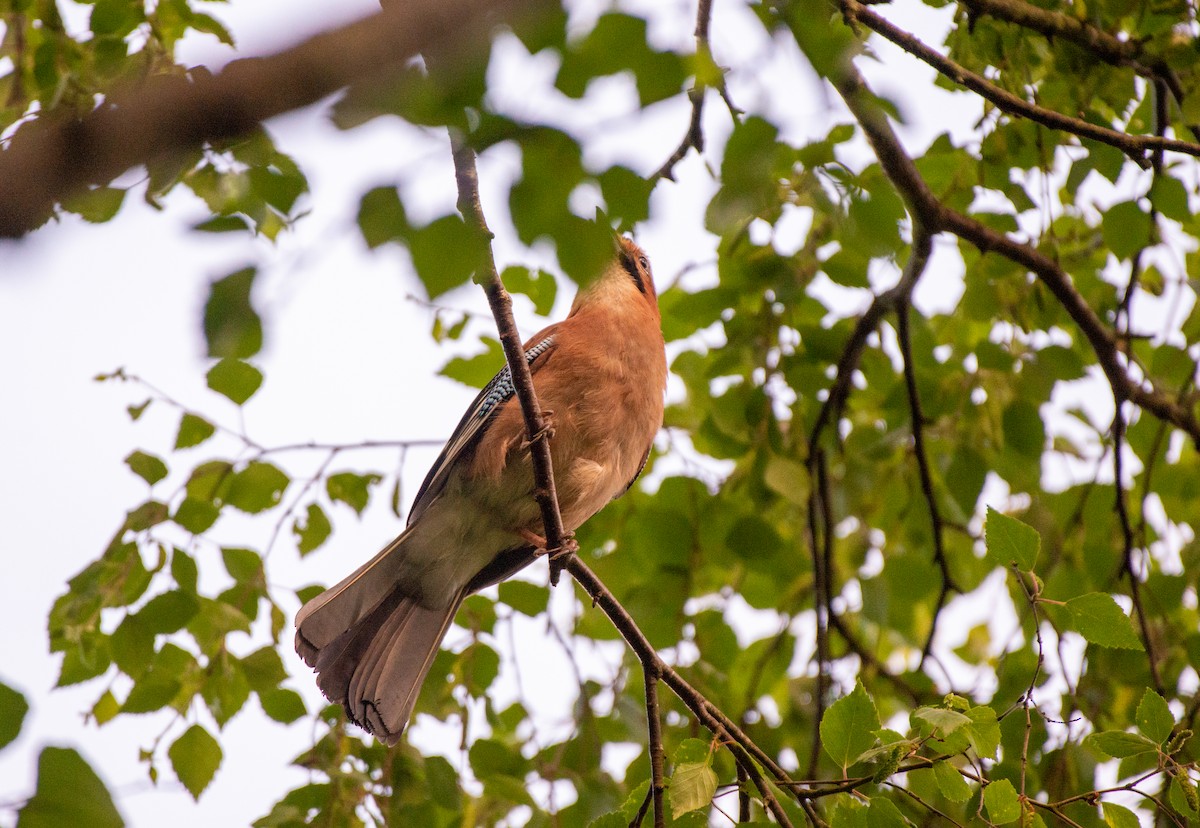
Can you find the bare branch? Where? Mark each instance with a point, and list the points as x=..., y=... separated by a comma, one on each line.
x=694, y=137
x=655, y=747
x=52, y=158
x=745, y=752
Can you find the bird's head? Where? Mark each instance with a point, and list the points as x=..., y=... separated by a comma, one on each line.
x=627, y=280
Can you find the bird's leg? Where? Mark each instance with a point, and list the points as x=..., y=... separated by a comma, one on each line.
x=533, y=539
x=546, y=432
x=566, y=547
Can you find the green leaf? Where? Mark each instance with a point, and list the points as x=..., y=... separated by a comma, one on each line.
x=445, y=253
x=538, y=285
x=232, y=327
x=1154, y=717
x=146, y=466
x=381, y=216
x=1000, y=799
x=983, y=732
x=207, y=479
x=1098, y=618
x=787, y=478
x=136, y=411
x=264, y=669
x=690, y=788
x=526, y=598
x=1119, y=744
x=222, y=224
x=476, y=371
x=196, y=516
x=243, y=565
x=68, y=793
x=195, y=756
x=1170, y=197
x=96, y=205
x=947, y=721
x=352, y=489
x=442, y=779
x=183, y=570
x=235, y=379
x=150, y=513
x=1024, y=430
x=1118, y=816
x=848, y=726
x=1126, y=229
x=314, y=530
x=257, y=487
x=193, y=430
x=226, y=689
x=626, y=195
x=283, y=705
x=1011, y=541
x=13, y=708
x=950, y=782
x=168, y=612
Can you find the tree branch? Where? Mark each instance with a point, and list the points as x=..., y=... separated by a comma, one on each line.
x=1098, y=42
x=558, y=540
x=51, y=158
x=694, y=137
x=925, y=207
x=655, y=747
x=745, y=752
x=1135, y=146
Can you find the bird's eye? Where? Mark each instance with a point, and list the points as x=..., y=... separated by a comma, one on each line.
x=644, y=262
x=632, y=270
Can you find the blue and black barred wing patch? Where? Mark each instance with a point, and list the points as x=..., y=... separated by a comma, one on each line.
x=501, y=387
x=473, y=425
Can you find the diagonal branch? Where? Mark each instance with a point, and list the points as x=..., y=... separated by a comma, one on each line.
x=51, y=158
x=925, y=207
x=1078, y=30
x=544, y=491
x=748, y=755
x=1137, y=147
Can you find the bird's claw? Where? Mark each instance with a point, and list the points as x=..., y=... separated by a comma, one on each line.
x=546, y=432
x=568, y=546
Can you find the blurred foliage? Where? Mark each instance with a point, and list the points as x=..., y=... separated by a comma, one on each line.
x=1080, y=670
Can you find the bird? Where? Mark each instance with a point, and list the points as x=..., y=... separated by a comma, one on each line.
x=600, y=376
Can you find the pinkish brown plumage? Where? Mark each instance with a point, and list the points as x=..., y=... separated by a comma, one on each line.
x=601, y=372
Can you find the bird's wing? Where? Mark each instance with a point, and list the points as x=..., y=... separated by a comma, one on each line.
x=641, y=467
x=475, y=422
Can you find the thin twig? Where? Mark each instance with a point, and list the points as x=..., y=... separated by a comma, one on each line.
x=918, y=259
x=745, y=752
x=656, y=747
x=1127, y=546
x=694, y=137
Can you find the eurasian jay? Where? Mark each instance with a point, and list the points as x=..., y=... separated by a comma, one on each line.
x=600, y=374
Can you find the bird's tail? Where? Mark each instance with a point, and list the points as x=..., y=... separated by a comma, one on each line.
x=372, y=644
